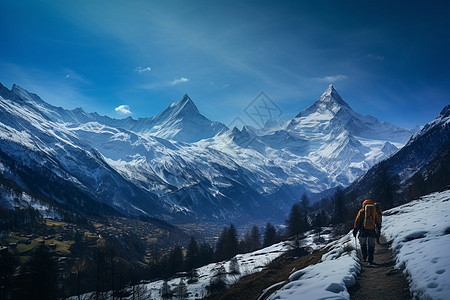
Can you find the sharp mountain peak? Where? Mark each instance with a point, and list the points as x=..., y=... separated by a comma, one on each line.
x=330, y=101
x=331, y=95
x=185, y=104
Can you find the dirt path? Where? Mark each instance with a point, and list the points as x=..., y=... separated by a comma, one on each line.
x=380, y=280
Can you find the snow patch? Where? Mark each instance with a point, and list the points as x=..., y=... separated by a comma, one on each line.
x=420, y=240
x=328, y=279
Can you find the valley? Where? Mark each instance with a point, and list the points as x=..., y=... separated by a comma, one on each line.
x=224, y=150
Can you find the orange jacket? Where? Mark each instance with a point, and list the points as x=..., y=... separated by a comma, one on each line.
x=360, y=217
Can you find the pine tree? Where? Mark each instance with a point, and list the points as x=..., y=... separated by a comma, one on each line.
x=232, y=242
x=43, y=275
x=192, y=254
x=255, y=239
x=8, y=264
x=270, y=235
x=304, y=202
x=296, y=221
x=176, y=259
x=227, y=246
x=205, y=254
x=339, y=206
x=320, y=220
x=383, y=187
x=220, y=246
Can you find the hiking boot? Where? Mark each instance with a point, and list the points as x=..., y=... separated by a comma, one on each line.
x=364, y=253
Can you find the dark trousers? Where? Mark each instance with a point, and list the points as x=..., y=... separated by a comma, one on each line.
x=367, y=247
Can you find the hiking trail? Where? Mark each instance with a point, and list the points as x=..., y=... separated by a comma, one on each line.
x=380, y=280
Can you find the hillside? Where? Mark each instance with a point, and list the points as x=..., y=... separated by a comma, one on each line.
x=419, y=247
x=419, y=168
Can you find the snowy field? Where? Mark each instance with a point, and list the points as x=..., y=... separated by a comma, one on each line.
x=248, y=263
x=420, y=235
x=328, y=279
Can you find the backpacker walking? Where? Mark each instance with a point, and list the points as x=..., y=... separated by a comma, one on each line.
x=367, y=222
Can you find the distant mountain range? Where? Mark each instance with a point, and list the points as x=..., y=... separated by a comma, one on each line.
x=181, y=166
x=422, y=166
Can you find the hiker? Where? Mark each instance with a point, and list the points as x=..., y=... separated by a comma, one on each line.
x=367, y=221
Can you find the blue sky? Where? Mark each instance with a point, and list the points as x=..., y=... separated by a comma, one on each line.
x=389, y=60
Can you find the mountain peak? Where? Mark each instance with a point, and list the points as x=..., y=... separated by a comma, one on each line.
x=332, y=96
x=3, y=88
x=329, y=101
x=26, y=96
x=18, y=89
x=180, y=121
x=184, y=106
x=445, y=112
x=5, y=92
x=186, y=98
x=330, y=89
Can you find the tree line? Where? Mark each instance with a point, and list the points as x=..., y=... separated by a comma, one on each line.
x=199, y=254
x=111, y=265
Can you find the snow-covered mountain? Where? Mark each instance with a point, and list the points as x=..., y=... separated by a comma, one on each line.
x=45, y=158
x=329, y=144
x=181, y=121
x=422, y=166
x=181, y=163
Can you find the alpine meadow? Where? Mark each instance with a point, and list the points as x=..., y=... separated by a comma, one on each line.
x=224, y=150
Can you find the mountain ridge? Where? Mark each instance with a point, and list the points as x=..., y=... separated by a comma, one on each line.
x=422, y=166
x=185, y=165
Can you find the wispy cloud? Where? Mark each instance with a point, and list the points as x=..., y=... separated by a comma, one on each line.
x=375, y=56
x=70, y=74
x=123, y=109
x=181, y=80
x=224, y=86
x=141, y=70
x=332, y=78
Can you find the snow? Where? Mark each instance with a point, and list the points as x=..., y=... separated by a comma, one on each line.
x=249, y=263
x=420, y=237
x=180, y=153
x=11, y=199
x=328, y=279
